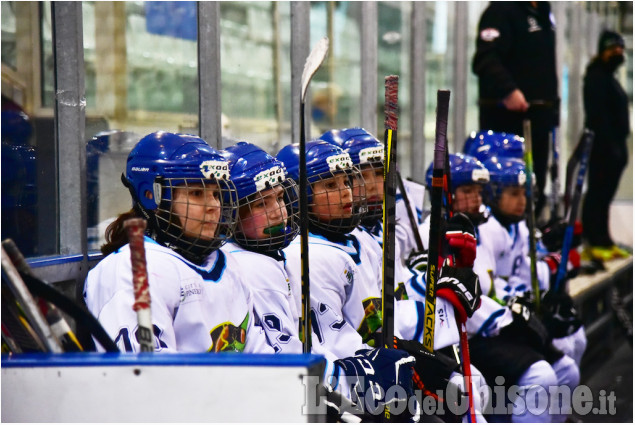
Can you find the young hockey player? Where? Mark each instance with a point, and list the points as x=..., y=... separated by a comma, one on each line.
x=560, y=317
x=367, y=153
x=181, y=186
x=265, y=225
x=345, y=301
x=504, y=237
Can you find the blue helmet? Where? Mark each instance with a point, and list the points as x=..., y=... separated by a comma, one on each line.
x=161, y=163
x=485, y=144
x=504, y=172
x=366, y=152
x=323, y=161
x=253, y=171
x=464, y=169
x=362, y=146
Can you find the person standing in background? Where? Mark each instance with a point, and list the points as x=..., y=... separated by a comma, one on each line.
x=606, y=113
x=515, y=61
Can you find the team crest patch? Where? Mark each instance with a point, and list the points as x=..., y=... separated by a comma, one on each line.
x=372, y=319
x=228, y=337
x=490, y=34
x=349, y=275
x=400, y=292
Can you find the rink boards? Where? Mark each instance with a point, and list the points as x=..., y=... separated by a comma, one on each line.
x=93, y=387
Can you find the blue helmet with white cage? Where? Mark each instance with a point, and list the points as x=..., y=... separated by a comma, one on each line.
x=466, y=170
x=164, y=165
x=261, y=182
x=325, y=161
x=504, y=173
x=487, y=143
x=367, y=153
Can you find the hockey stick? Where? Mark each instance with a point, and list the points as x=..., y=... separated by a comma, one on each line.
x=391, y=86
x=587, y=142
x=15, y=323
x=529, y=172
x=30, y=308
x=554, y=172
x=9, y=343
x=79, y=313
x=313, y=62
x=53, y=316
x=436, y=201
x=411, y=217
x=573, y=162
x=44, y=291
x=135, y=227
x=466, y=363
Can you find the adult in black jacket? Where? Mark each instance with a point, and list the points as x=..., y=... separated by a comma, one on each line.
x=606, y=113
x=515, y=61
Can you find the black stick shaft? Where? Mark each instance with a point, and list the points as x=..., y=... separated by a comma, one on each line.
x=391, y=84
x=531, y=224
x=587, y=142
x=436, y=201
x=304, y=238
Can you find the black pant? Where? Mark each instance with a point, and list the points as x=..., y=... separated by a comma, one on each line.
x=542, y=122
x=604, y=176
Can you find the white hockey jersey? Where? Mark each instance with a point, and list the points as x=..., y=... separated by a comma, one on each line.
x=336, y=301
x=509, y=257
x=274, y=302
x=194, y=308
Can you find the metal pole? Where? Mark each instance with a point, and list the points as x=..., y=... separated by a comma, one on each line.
x=418, y=92
x=209, y=75
x=575, y=74
x=459, y=75
x=70, y=123
x=368, y=107
x=300, y=38
x=275, y=17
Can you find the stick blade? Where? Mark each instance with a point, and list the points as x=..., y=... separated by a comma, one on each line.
x=313, y=62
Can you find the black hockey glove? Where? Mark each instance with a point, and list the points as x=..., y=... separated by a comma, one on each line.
x=371, y=373
x=553, y=235
x=526, y=323
x=559, y=314
x=432, y=372
x=460, y=287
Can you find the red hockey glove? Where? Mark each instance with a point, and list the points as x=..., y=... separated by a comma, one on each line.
x=461, y=239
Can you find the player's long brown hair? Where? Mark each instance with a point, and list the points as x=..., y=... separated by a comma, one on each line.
x=116, y=235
